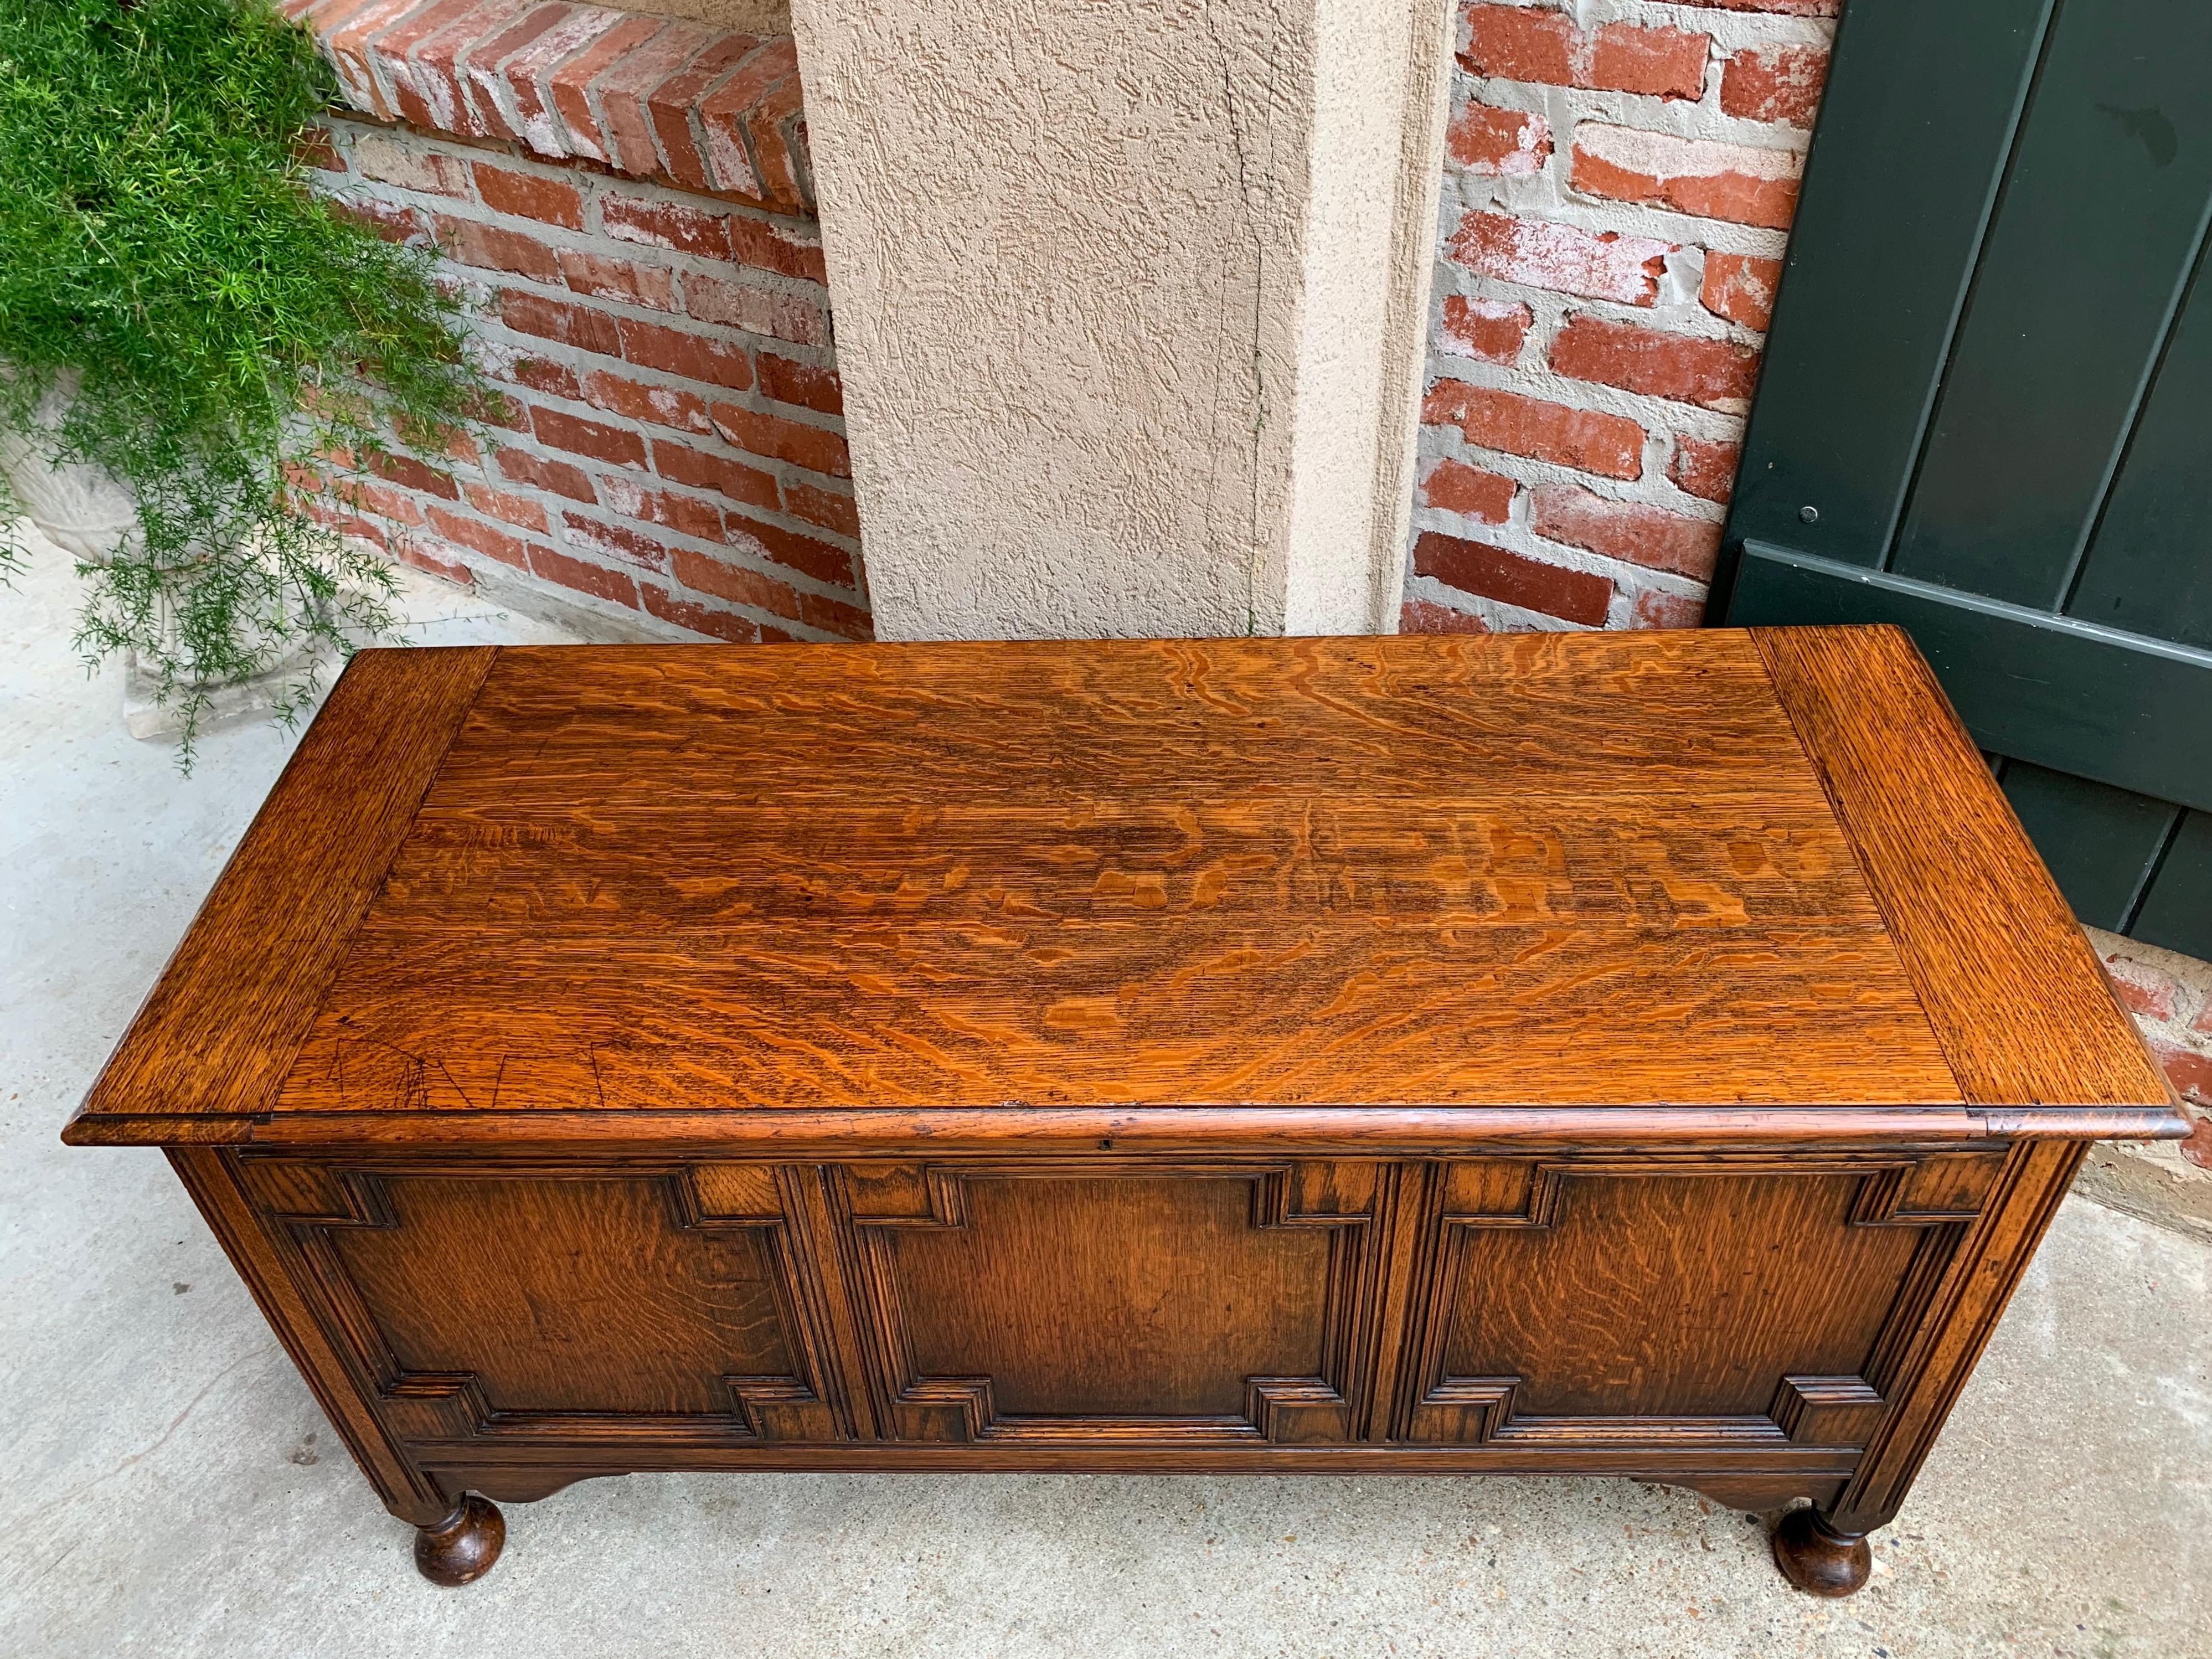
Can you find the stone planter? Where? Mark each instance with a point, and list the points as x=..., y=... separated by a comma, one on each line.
x=88, y=513
x=82, y=508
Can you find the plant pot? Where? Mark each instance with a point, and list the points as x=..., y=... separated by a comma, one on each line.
x=83, y=509
x=91, y=514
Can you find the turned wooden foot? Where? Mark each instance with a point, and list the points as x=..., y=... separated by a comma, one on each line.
x=1818, y=1559
x=461, y=1548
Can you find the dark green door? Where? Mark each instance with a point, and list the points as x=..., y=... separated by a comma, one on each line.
x=1986, y=413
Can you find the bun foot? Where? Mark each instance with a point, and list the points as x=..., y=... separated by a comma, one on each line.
x=1818, y=1559
x=461, y=1548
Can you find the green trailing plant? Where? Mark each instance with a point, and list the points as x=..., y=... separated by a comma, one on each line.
x=228, y=331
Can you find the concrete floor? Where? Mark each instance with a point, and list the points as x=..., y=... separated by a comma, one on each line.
x=170, y=1487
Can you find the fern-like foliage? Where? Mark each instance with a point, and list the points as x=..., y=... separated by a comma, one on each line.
x=158, y=238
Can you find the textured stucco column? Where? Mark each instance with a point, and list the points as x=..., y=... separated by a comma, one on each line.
x=1130, y=301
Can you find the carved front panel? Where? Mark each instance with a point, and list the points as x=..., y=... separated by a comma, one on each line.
x=1058, y=1304
x=1672, y=1301
x=583, y=1303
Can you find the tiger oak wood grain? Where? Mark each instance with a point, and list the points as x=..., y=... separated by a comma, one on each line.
x=222, y=1023
x=1654, y=1056
x=2017, y=997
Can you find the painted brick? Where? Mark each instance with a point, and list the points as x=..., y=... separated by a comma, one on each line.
x=350, y=526
x=1774, y=83
x=834, y=617
x=452, y=442
x=720, y=120
x=1630, y=531
x=806, y=385
x=553, y=319
x=1698, y=176
x=526, y=78
x=724, y=625
x=622, y=280
x=815, y=448
x=621, y=93
x=433, y=558
x=1489, y=330
x=317, y=148
x=2190, y=1073
x=1653, y=609
x=387, y=52
x=492, y=247
x=824, y=507
x=389, y=220
x=593, y=579
x=1564, y=258
x=592, y=438
x=671, y=105
x=2197, y=1146
x=488, y=94
x=520, y=466
x=764, y=512
x=2142, y=989
x=617, y=541
x=1530, y=43
x=434, y=65
x=394, y=504
x=517, y=510
x=1424, y=616
x=1496, y=573
x=391, y=161
x=1781, y=7
x=769, y=246
x=1740, y=288
x=773, y=124
x=1688, y=368
x=346, y=45
x=493, y=543
x=543, y=375
x=1702, y=468
x=1497, y=143
x=659, y=404
x=686, y=514
x=570, y=83
x=692, y=356
x=1585, y=439
x=411, y=474
x=757, y=310
x=737, y=583
x=665, y=225
x=805, y=553
x=529, y=197
x=1453, y=486
x=703, y=470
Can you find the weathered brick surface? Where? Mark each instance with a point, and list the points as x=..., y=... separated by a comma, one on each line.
x=1491, y=330
x=2171, y=997
x=1451, y=486
x=1775, y=83
x=579, y=80
x=1530, y=584
x=1685, y=368
x=1740, y=288
x=1498, y=142
x=1618, y=180
x=674, y=445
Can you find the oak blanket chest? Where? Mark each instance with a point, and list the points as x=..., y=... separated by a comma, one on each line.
x=1642, y=1055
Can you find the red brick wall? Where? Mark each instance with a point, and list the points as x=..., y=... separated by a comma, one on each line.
x=2171, y=997
x=625, y=202
x=1618, y=180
